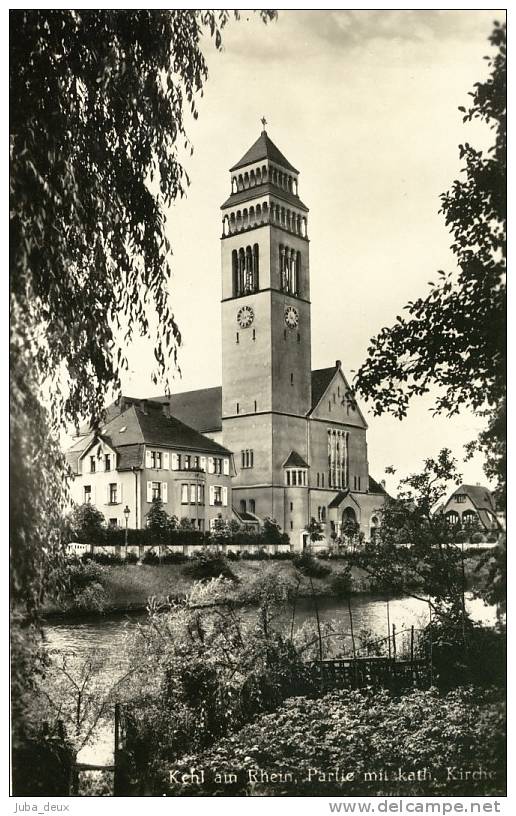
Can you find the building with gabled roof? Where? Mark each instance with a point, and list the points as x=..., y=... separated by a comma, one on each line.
x=141, y=452
x=297, y=436
x=472, y=505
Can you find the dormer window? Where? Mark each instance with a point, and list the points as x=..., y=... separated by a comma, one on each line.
x=93, y=464
x=460, y=498
x=107, y=462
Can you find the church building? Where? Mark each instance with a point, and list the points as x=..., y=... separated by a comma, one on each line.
x=297, y=437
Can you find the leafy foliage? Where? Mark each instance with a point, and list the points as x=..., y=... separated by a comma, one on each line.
x=423, y=729
x=98, y=100
x=310, y=566
x=210, y=564
x=87, y=523
x=416, y=546
x=454, y=337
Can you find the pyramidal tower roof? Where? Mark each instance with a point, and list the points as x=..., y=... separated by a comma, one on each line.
x=263, y=148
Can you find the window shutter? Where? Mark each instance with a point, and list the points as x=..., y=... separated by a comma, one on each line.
x=149, y=491
x=107, y=494
x=212, y=495
x=119, y=491
x=225, y=496
x=164, y=492
x=226, y=467
x=175, y=461
x=93, y=493
x=211, y=468
x=148, y=461
x=203, y=463
x=166, y=461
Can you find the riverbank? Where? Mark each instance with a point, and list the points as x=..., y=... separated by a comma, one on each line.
x=128, y=588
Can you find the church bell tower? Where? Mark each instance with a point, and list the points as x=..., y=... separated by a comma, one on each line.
x=266, y=354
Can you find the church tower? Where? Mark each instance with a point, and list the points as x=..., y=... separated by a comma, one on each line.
x=266, y=356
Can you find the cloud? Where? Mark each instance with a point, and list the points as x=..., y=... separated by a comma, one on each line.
x=311, y=33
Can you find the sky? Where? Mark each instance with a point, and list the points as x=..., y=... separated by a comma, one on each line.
x=365, y=105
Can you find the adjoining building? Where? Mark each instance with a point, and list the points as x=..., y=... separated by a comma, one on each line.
x=298, y=436
x=142, y=453
x=472, y=505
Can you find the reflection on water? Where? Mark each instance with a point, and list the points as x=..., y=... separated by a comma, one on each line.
x=107, y=635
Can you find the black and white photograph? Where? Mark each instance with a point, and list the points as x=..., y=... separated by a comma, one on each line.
x=257, y=390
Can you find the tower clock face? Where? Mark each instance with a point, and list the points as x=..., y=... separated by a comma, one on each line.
x=291, y=317
x=245, y=317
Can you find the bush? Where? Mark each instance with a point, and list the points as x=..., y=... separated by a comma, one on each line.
x=132, y=558
x=422, y=729
x=492, y=536
x=85, y=592
x=308, y=564
x=210, y=564
x=151, y=558
x=477, y=538
x=174, y=558
x=106, y=558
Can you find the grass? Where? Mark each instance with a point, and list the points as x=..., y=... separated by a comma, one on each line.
x=129, y=587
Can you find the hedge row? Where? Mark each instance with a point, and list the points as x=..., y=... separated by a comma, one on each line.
x=113, y=537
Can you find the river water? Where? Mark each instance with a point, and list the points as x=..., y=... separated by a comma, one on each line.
x=107, y=636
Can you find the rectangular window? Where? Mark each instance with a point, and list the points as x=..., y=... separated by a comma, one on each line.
x=252, y=506
x=238, y=408
x=291, y=525
x=200, y=524
x=255, y=406
x=294, y=478
x=460, y=498
x=254, y=334
x=329, y=407
x=359, y=482
x=298, y=337
x=193, y=494
x=243, y=506
x=113, y=522
x=237, y=337
x=217, y=495
x=322, y=479
x=92, y=464
x=107, y=461
x=196, y=462
x=291, y=378
x=184, y=494
x=217, y=464
x=187, y=462
x=291, y=506
x=200, y=494
x=156, y=490
x=87, y=494
x=287, y=477
x=318, y=479
x=113, y=496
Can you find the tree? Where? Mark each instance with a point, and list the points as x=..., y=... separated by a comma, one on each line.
x=315, y=531
x=272, y=534
x=97, y=123
x=158, y=520
x=98, y=100
x=87, y=523
x=454, y=338
x=415, y=549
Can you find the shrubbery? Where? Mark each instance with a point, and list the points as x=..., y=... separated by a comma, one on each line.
x=422, y=729
x=209, y=564
x=310, y=566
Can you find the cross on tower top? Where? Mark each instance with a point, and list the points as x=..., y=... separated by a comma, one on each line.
x=263, y=120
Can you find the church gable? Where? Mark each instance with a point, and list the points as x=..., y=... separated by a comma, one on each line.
x=335, y=402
